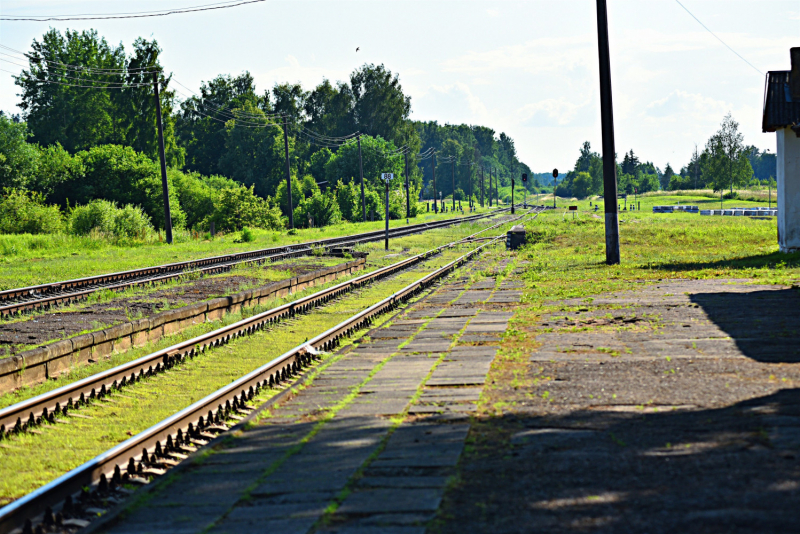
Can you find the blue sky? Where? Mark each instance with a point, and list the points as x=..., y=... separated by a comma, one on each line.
x=526, y=68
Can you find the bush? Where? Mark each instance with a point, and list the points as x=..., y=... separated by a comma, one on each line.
x=131, y=221
x=321, y=208
x=348, y=198
x=120, y=174
x=24, y=212
x=246, y=236
x=237, y=207
x=106, y=218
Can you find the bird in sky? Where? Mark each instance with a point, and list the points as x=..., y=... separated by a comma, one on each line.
x=358, y=48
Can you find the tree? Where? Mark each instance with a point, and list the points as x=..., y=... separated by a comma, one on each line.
x=254, y=155
x=665, y=177
x=727, y=164
x=329, y=109
x=379, y=105
x=581, y=185
x=19, y=160
x=81, y=92
x=201, y=124
x=376, y=160
x=289, y=100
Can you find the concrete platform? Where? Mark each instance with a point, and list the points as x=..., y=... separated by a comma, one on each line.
x=368, y=445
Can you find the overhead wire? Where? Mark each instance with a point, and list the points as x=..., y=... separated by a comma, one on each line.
x=125, y=70
x=719, y=39
x=131, y=15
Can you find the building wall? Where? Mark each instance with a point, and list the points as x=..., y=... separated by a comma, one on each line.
x=788, y=190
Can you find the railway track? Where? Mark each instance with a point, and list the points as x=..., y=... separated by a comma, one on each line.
x=44, y=296
x=152, y=451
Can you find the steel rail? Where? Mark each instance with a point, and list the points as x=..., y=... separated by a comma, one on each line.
x=47, y=406
x=156, y=446
x=52, y=294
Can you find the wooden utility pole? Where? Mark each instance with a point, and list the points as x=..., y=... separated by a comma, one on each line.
x=433, y=166
x=288, y=170
x=408, y=193
x=361, y=175
x=162, y=157
x=454, y=183
x=609, y=151
x=482, y=204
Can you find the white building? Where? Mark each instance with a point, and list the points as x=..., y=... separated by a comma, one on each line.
x=782, y=116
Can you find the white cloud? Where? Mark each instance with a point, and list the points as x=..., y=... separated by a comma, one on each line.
x=456, y=101
x=679, y=106
x=557, y=112
x=492, y=12
x=294, y=72
x=538, y=57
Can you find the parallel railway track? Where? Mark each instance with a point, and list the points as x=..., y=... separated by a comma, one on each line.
x=154, y=449
x=43, y=296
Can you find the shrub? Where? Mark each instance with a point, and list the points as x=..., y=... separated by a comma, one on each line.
x=348, y=198
x=321, y=208
x=106, y=218
x=246, y=236
x=131, y=221
x=24, y=212
x=120, y=174
x=237, y=207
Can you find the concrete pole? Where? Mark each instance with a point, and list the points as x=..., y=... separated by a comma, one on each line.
x=609, y=151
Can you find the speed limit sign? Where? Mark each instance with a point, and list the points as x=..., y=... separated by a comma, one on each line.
x=387, y=176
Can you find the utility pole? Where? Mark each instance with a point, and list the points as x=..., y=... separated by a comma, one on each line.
x=164, y=182
x=482, y=204
x=288, y=170
x=470, y=203
x=609, y=151
x=361, y=175
x=433, y=166
x=512, y=196
x=490, y=187
x=408, y=197
x=454, y=183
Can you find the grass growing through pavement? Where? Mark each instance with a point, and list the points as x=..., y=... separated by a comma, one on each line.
x=30, y=460
x=378, y=257
x=566, y=260
x=29, y=260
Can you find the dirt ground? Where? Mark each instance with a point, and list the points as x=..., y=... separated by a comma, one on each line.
x=671, y=408
x=43, y=327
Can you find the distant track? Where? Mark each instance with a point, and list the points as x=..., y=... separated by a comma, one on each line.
x=152, y=451
x=44, y=296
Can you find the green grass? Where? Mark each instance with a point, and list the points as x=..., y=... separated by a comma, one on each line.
x=565, y=259
x=30, y=460
x=36, y=259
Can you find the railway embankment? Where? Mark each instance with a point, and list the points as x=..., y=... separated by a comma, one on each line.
x=39, y=364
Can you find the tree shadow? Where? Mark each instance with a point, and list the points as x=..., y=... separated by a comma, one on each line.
x=771, y=260
x=732, y=470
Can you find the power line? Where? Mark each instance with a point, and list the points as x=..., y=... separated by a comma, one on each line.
x=718, y=39
x=133, y=15
x=142, y=70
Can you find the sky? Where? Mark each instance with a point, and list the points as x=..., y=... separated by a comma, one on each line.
x=528, y=69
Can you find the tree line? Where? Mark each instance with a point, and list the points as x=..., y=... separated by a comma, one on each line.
x=88, y=133
x=724, y=164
